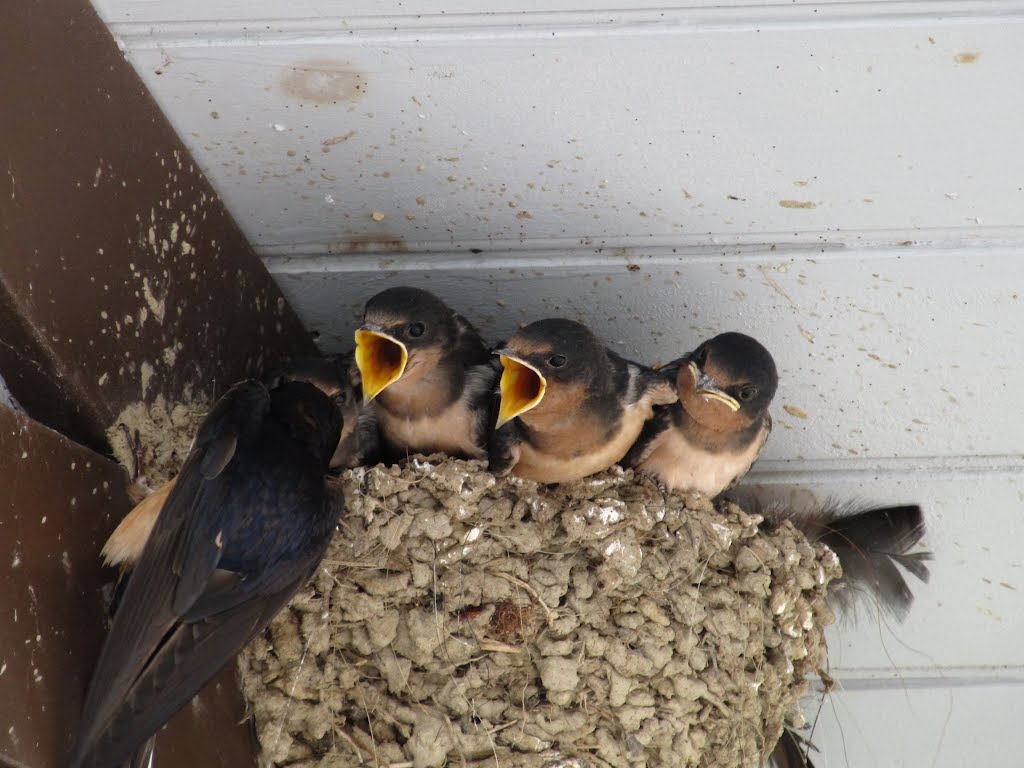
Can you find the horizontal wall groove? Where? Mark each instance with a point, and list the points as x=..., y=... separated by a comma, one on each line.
x=555, y=253
x=541, y=25
x=859, y=469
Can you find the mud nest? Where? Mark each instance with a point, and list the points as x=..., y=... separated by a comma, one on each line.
x=467, y=620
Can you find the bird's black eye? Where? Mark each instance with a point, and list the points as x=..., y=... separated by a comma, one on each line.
x=342, y=397
x=416, y=330
x=556, y=361
x=700, y=356
x=748, y=393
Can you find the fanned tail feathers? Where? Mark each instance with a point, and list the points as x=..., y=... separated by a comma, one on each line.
x=872, y=545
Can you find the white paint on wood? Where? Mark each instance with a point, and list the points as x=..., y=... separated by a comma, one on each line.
x=247, y=13
x=949, y=727
x=848, y=131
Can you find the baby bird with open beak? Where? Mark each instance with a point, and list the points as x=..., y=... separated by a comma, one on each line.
x=427, y=373
x=569, y=406
x=709, y=439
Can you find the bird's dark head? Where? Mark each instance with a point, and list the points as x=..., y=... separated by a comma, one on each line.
x=728, y=382
x=312, y=418
x=549, y=365
x=404, y=334
x=337, y=377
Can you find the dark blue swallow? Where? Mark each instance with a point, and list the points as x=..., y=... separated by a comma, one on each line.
x=243, y=528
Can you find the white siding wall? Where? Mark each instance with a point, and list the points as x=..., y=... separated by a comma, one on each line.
x=843, y=180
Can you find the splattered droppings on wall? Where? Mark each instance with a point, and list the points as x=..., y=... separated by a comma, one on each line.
x=324, y=81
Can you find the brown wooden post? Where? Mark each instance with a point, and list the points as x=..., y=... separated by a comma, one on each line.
x=122, y=276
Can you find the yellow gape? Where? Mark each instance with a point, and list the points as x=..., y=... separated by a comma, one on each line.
x=705, y=387
x=522, y=388
x=381, y=360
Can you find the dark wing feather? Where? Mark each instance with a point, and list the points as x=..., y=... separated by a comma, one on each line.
x=662, y=418
x=870, y=544
x=501, y=447
x=484, y=397
x=142, y=756
x=360, y=442
x=367, y=438
x=147, y=612
x=791, y=751
x=654, y=426
x=238, y=412
x=468, y=345
x=168, y=684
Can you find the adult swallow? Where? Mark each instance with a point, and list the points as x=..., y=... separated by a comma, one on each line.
x=569, y=406
x=709, y=439
x=244, y=526
x=337, y=377
x=427, y=373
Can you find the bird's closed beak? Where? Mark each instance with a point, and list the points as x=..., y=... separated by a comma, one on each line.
x=522, y=387
x=381, y=360
x=706, y=387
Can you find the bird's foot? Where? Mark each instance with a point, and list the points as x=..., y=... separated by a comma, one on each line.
x=653, y=480
x=138, y=487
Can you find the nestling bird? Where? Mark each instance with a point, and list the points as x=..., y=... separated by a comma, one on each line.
x=709, y=439
x=569, y=407
x=428, y=374
x=244, y=526
x=335, y=376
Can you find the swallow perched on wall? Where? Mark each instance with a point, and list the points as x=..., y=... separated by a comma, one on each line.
x=427, y=373
x=244, y=526
x=569, y=406
x=337, y=377
x=709, y=439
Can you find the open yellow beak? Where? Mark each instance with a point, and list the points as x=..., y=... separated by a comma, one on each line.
x=381, y=360
x=706, y=388
x=522, y=388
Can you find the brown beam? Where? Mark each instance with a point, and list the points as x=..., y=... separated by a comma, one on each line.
x=122, y=275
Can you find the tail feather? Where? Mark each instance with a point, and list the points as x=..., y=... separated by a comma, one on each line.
x=791, y=751
x=872, y=545
x=915, y=563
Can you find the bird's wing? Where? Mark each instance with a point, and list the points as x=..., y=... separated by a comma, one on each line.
x=483, y=396
x=654, y=426
x=503, y=447
x=469, y=347
x=177, y=561
x=192, y=654
x=657, y=388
